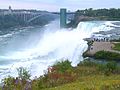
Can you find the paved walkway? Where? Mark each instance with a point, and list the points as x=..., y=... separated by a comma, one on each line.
x=98, y=46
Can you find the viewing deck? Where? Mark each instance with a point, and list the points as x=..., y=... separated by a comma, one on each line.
x=99, y=46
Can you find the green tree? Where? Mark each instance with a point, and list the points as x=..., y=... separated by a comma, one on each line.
x=23, y=74
x=63, y=66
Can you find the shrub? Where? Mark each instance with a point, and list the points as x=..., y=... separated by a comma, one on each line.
x=111, y=66
x=107, y=55
x=23, y=74
x=41, y=83
x=63, y=66
x=58, y=74
x=61, y=73
x=11, y=83
x=87, y=63
x=8, y=83
x=107, y=69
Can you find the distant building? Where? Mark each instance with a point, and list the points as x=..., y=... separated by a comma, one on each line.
x=10, y=10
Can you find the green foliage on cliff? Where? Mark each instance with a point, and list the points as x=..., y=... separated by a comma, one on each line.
x=90, y=14
x=117, y=46
x=107, y=55
x=108, y=13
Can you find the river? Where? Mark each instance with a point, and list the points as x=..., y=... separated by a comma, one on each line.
x=36, y=48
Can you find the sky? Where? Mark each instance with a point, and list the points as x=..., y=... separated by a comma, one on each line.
x=55, y=5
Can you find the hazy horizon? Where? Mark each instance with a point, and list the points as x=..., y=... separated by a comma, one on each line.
x=55, y=5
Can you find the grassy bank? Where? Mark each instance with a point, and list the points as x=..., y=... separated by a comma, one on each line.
x=97, y=82
x=87, y=75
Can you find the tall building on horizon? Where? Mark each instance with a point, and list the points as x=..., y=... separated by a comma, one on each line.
x=10, y=10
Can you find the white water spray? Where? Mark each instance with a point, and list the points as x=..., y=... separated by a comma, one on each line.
x=53, y=45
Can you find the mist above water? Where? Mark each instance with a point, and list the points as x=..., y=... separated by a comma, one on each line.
x=38, y=48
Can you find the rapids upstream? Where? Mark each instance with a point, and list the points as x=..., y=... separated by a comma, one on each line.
x=36, y=48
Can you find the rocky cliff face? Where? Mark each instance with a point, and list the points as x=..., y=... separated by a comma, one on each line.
x=82, y=18
x=78, y=19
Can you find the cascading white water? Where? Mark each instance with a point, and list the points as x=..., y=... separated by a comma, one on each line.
x=41, y=49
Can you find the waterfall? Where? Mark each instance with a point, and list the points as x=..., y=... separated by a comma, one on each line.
x=36, y=48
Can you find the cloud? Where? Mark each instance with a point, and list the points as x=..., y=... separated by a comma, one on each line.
x=55, y=5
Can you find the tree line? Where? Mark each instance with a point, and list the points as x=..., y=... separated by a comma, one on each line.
x=112, y=12
x=91, y=14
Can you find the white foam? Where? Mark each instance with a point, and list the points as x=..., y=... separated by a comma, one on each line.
x=55, y=44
